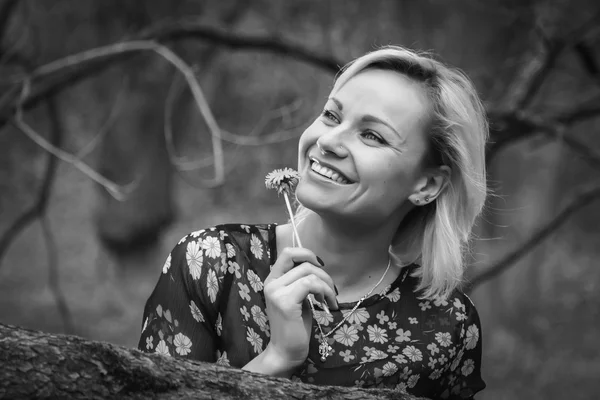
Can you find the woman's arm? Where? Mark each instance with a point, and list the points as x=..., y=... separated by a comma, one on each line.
x=270, y=363
x=466, y=366
x=177, y=320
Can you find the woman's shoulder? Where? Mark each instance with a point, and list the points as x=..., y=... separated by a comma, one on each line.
x=237, y=231
x=243, y=245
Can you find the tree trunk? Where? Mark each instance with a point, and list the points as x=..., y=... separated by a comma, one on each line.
x=38, y=365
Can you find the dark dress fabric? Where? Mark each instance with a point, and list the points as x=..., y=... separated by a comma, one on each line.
x=209, y=305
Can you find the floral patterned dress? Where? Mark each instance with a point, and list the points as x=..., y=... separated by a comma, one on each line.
x=209, y=305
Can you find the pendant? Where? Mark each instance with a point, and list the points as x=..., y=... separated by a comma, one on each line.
x=324, y=349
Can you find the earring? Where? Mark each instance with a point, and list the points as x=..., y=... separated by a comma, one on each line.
x=426, y=198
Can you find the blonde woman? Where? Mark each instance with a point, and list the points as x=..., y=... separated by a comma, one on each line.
x=392, y=178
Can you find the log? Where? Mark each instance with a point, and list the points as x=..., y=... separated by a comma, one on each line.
x=39, y=365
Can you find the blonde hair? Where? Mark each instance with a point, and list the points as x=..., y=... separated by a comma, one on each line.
x=438, y=234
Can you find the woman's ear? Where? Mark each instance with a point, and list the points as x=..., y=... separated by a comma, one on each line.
x=431, y=185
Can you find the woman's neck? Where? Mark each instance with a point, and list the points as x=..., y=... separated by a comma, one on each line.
x=355, y=258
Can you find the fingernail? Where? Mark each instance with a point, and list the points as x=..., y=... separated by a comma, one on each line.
x=320, y=261
x=337, y=293
x=326, y=308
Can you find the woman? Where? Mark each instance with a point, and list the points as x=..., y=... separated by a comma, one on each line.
x=392, y=177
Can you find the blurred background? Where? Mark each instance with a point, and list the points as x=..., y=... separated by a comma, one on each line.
x=83, y=236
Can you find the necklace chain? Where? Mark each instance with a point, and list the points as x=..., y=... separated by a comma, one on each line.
x=324, y=347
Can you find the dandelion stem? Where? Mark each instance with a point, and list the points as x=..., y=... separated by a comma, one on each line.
x=289, y=207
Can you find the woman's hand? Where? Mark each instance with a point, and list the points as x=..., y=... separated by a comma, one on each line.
x=293, y=277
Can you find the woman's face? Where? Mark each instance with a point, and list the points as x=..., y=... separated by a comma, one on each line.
x=372, y=145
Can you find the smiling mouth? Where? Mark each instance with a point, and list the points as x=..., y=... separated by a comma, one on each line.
x=328, y=173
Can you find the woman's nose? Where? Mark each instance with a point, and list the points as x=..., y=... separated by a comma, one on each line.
x=333, y=142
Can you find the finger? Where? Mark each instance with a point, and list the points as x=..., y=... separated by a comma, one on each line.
x=303, y=270
x=290, y=257
x=321, y=302
x=311, y=284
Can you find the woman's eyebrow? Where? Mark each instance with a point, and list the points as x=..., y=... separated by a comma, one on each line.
x=372, y=118
x=369, y=118
x=337, y=103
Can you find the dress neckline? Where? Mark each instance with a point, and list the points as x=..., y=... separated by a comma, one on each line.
x=374, y=298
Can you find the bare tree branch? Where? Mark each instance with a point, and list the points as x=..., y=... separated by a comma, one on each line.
x=53, y=277
x=534, y=73
x=6, y=12
x=167, y=32
x=39, y=207
x=108, y=123
x=117, y=191
x=182, y=67
x=537, y=70
x=38, y=365
x=588, y=60
x=581, y=112
x=508, y=128
x=586, y=197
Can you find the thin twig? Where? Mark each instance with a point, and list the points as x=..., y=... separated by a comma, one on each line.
x=167, y=54
x=539, y=72
x=174, y=31
x=182, y=163
x=6, y=12
x=513, y=127
x=583, y=199
x=119, y=192
x=38, y=208
x=105, y=128
x=54, y=278
x=581, y=112
x=533, y=75
x=588, y=60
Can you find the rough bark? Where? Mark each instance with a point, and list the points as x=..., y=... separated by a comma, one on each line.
x=38, y=365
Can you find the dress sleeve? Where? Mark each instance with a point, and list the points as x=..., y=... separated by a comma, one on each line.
x=465, y=379
x=179, y=318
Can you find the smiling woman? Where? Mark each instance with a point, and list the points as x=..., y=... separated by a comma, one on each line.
x=392, y=177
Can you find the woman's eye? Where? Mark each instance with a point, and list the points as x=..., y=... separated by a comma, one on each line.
x=330, y=116
x=371, y=136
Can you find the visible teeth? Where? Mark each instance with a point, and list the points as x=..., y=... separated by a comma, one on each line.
x=322, y=170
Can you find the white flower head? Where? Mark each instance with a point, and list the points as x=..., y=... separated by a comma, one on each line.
x=162, y=348
x=230, y=250
x=468, y=367
x=167, y=265
x=256, y=247
x=322, y=317
x=472, y=337
x=254, y=281
x=259, y=317
x=255, y=340
x=282, y=180
x=412, y=381
x=183, y=344
x=389, y=369
x=211, y=246
x=359, y=316
x=443, y=338
x=222, y=359
x=377, y=334
x=212, y=285
x=413, y=353
x=196, y=313
x=346, y=335
x=194, y=259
